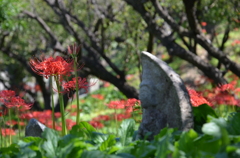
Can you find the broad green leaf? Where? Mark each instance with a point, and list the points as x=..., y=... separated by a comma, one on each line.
x=10, y=150
x=50, y=144
x=97, y=154
x=186, y=142
x=126, y=131
x=84, y=128
x=108, y=143
x=217, y=125
x=163, y=145
x=200, y=115
x=79, y=147
x=143, y=149
x=234, y=123
x=32, y=139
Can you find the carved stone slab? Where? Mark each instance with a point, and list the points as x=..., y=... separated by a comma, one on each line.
x=164, y=98
x=34, y=128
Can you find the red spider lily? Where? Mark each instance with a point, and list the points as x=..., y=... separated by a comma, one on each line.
x=120, y=117
x=70, y=123
x=101, y=118
x=97, y=96
x=52, y=66
x=58, y=128
x=74, y=49
x=73, y=106
x=22, y=123
x=71, y=85
x=96, y=124
x=106, y=84
x=46, y=114
x=224, y=94
x=57, y=114
x=203, y=23
x=7, y=132
x=118, y=104
x=18, y=102
x=132, y=102
x=197, y=99
x=11, y=122
x=5, y=95
x=27, y=116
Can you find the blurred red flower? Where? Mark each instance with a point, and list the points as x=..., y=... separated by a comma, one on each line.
x=52, y=66
x=117, y=104
x=74, y=49
x=5, y=95
x=120, y=117
x=27, y=116
x=197, y=99
x=98, y=96
x=96, y=124
x=70, y=123
x=101, y=118
x=18, y=102
x=11, y=122
x=71, y=85
x=7, y=132
x=203, y=23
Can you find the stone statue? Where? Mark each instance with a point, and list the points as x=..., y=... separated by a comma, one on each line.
x=164, y=98
x=34, y=128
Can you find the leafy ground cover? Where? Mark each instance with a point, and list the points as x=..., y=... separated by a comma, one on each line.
x=109, y=124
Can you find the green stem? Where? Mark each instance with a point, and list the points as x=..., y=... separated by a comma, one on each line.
x=10, y=136
x=19, y=127
x=1, y=122
x=116, y=122
x=64, y=129
x=78, y=105
x=53, y=118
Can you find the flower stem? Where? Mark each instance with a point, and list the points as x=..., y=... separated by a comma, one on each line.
x=64, y=129
x=10, y=136
x=78, y=105
x=19, y=127
x=53, y=118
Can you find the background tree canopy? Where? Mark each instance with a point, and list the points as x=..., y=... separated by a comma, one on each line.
x=112, y=34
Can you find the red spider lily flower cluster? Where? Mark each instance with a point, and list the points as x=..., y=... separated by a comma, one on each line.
x=51, y=66
x=7, y=132
x=74, y=49
x=71, y=85
x=96, y=124
x=8, y=98
x=197, y=99
x=128, y=105
x=224, y=95
x=45, y=117
x=97, y=96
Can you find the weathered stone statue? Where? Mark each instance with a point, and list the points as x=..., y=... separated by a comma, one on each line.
x=164, y=98
x=34, y=128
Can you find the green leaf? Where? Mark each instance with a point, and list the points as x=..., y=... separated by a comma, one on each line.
x=233, y=122
x=84, y=128
x=97, y=154
x=10, y=150
x=200, y=115
x=143, y=149
x=126, y=131
x=108, y=143
x=186, y=142
x=51, y=142
x=25, y=151
x=164, y=147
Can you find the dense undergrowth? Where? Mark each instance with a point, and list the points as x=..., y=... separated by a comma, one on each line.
x=108, y=130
